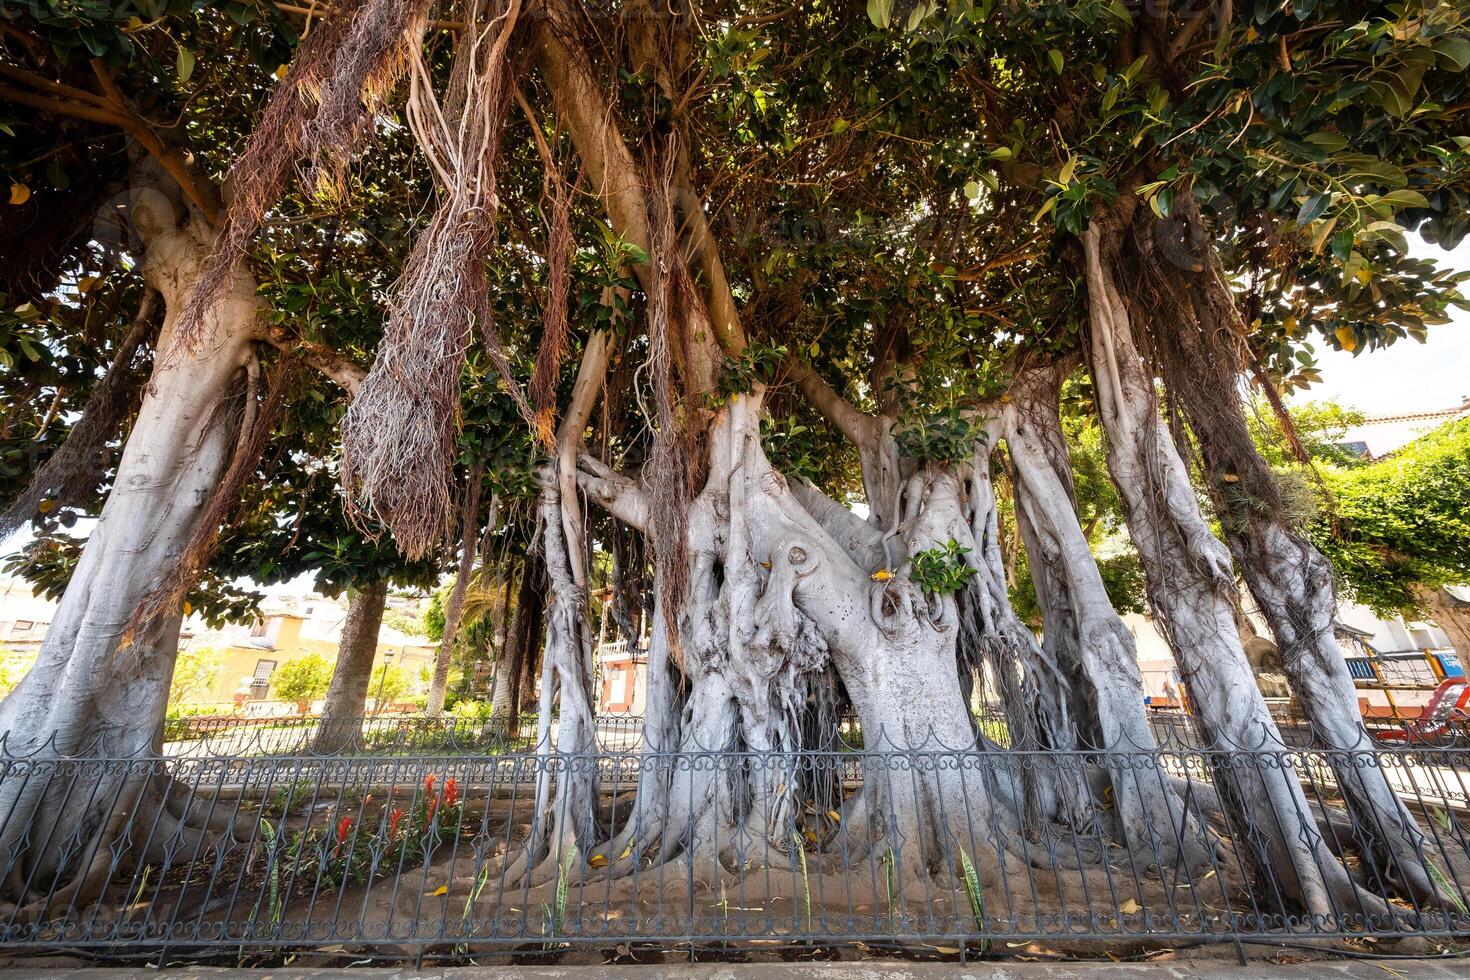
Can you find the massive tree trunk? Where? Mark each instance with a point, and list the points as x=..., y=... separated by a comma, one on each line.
x=781, y=587
x=1189, y=582
x=1083, y=634
x=1198, y=339
x=345, y=705
x=93, y=689
x=777, y=596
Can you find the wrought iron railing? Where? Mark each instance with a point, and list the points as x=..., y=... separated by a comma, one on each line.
x=416, y=856
x=407, y=735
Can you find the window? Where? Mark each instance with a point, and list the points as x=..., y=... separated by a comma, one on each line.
x=260, y=628
x=23, y=625
x=618, y=690
x=263, y=670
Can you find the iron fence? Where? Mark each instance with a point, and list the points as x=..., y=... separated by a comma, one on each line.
x=1172, y=730
x=400, y=856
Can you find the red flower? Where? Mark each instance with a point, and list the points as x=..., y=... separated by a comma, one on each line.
x=394, y=819
x=433, y=805
x=429, y=785
x=344, y=827
x=451, y=791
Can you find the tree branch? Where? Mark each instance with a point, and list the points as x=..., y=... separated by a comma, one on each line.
x=618, y=494
x=588, y=114
x=320, y=357
x=853, y=424
x=85, y=105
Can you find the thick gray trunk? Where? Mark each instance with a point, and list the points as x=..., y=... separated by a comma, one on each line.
x=1189, y=583
x=1083, y=633
x=773, y=600
x=502, y=684
x=345, y=706
x=1293, y=585
x=88, y=690
x=1196, y=334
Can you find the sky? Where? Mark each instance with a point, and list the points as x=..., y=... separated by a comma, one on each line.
x=1408, y=376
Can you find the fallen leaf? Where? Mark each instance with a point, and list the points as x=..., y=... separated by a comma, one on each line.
x=19, y=193
x=441, y=890
x=1129, y=907
x=598, y=861
x=881, y=575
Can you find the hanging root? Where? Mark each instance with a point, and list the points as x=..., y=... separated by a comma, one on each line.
x=323, y=110
x=671, y=473
x=399, y=435
x=555, y=322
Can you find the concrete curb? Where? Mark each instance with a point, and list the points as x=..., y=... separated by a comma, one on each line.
x=1182, y=969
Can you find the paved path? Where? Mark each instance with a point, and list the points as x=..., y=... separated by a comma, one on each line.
x=1181, y=969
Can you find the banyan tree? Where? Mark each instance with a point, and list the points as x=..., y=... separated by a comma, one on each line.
x=803, y=286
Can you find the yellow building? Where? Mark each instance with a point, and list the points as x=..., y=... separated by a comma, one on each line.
x=287, y=631
x=244, y=656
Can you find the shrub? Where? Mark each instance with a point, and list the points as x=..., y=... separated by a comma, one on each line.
x=302, y=680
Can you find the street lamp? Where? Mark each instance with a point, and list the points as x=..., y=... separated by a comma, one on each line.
x=382, y=681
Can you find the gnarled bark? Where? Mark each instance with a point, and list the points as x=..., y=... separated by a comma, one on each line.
x=1198, y=339
x=88, y=691
x=1189, y=583
x=1083, y=634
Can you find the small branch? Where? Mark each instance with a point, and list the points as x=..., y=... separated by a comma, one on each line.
x=1188, y=31
x=46, y=85
x=319, y=357
x=543, y=150
x=689, y=92
x=104, y=79
x=979, y=272
x=75, y=110
x=852, y=423
x=753, y=20
x=111, y=114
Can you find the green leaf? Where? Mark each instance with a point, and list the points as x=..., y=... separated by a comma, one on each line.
x=1456, y=50
x=1058, y=61
x=880, y=12
x=1405, y=198
x=1327, y=141
x=972, y=190
x=1001, y=153
x=1312, y=209
x=1068, y=169
x=185, y=65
